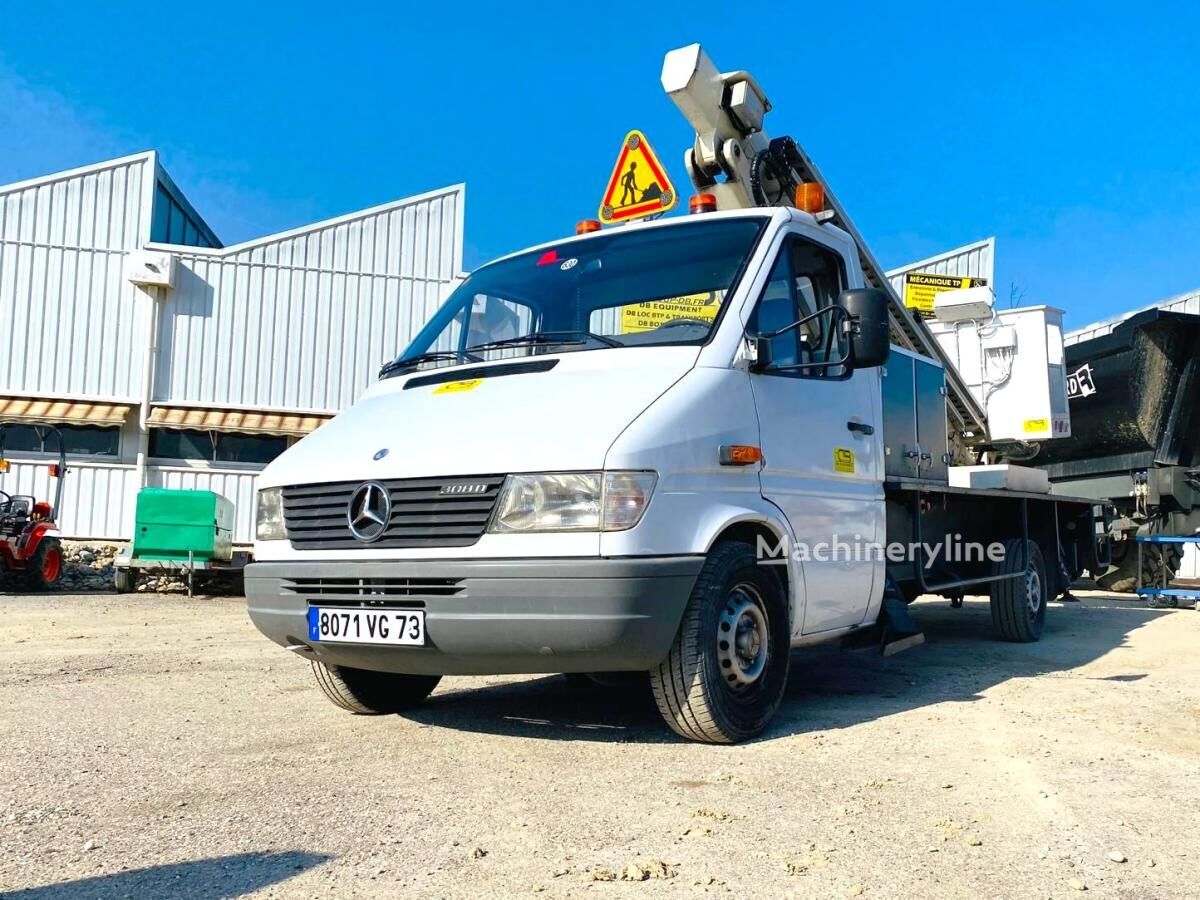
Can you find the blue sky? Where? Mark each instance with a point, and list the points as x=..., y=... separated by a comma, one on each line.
x=1069, y=131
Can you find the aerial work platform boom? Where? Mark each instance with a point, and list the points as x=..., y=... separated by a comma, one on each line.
x=734, y=160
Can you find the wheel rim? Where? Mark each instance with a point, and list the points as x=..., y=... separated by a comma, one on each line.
x=742, y=637
x=51, y=565
x=1033, y=592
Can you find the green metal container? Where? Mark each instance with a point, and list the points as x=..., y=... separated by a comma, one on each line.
x=178, y=525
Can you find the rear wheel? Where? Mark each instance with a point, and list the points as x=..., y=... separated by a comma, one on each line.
x=1122, y=576
x=1019, y=604
x=372, y=693
x=725, y=674
x=43, y=570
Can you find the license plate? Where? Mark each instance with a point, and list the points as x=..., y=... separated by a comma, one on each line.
x=403, y=627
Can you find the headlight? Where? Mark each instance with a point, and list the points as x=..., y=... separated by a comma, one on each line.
x=270, y=515
x=583, y=501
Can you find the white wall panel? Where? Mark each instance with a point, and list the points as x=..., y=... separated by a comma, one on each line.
x=1184, y=303
x=97, y=498
x=237, y=486
x=69, y=322
x=976, y=260
x=296, y=321
x=303, y=320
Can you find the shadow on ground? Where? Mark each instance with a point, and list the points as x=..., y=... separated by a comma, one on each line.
x=828, y=689
x=201, y=879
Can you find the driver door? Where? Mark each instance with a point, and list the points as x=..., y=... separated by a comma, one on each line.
x=821, y=434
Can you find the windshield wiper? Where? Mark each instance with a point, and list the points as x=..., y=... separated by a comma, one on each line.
x=396, y=366
x=548, y=337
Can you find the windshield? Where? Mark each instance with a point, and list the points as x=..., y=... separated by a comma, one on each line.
x=626, y=287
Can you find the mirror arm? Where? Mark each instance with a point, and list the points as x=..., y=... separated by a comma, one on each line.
x=834, y=310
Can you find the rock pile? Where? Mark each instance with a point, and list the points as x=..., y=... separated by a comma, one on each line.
x=87, y=567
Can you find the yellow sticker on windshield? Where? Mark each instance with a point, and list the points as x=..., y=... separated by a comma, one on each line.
x=843, y=460
x=654, y=314
x=456, y=387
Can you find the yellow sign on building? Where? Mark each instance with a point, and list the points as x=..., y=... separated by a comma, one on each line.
x=920, y=288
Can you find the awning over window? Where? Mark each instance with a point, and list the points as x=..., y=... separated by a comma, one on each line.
x=240, y=420
x=35, y=411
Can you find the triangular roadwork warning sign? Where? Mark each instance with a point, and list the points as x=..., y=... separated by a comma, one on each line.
x=639, y=185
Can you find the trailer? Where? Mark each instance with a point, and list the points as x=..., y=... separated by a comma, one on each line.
x=1134, y=396
x=684, y=447
x=181, y=532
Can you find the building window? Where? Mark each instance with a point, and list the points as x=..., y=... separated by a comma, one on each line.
x=170, y=223
x=82, y=440
x=215, y=446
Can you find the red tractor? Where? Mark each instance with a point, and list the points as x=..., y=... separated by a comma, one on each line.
x=29, y=546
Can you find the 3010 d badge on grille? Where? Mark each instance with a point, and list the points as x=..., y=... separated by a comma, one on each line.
x=464, y=488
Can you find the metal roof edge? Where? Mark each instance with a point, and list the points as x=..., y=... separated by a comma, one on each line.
x=988, y=242
x=459, y=189
x=143, y=156
x=1113, y=321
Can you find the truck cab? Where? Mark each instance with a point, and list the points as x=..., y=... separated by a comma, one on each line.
x=579, y=464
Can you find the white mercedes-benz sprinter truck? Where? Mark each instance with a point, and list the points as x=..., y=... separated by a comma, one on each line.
x=578, y=462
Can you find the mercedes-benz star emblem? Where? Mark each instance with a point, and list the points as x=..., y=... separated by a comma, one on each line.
x=369, y=511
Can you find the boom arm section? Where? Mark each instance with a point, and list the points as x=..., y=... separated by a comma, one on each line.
x=734, y=159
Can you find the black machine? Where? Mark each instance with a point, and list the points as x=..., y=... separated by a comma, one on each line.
x=1135, y=438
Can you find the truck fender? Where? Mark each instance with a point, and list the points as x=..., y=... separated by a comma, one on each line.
x=725, y=521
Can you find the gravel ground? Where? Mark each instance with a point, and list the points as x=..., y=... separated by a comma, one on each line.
x=158, y=747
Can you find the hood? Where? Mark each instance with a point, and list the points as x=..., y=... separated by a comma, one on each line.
x=563, y=418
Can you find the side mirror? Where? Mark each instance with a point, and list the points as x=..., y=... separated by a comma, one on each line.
x=869, y=340
x=762, y=354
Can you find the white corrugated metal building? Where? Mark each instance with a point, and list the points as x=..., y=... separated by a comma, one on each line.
x=975, y=260
x=1183, y=303
x=198, y=385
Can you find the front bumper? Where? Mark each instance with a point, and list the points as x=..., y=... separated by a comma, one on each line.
x=500, y=616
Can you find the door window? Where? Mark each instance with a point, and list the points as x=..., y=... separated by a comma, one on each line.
x=806, y=278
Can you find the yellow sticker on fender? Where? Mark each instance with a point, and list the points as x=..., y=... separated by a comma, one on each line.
x=455, y=387
x=1033, y=426
x=843, y=460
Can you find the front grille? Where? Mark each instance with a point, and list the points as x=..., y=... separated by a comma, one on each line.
x=422, y=516
x=391, y=593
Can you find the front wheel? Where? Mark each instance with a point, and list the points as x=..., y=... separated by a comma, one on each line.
x=372, y=693
x=725, y=674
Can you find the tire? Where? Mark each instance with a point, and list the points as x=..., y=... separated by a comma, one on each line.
x=706, y=689
x=124, y=581
x=1122, y=577
x=43, y=570
x=367, y=693
x=1019, y=604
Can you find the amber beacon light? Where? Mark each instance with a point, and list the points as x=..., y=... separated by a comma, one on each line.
x=810, y=197
x=702, y=203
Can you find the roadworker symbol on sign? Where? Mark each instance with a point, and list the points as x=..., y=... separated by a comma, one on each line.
x=638, y=186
